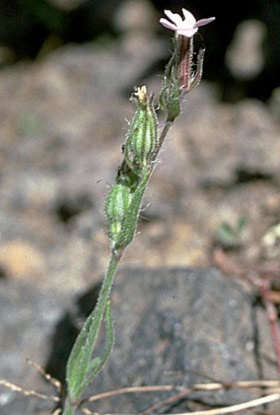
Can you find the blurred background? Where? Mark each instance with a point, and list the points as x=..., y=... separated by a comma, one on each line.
x=67, y=69
x=243, y=46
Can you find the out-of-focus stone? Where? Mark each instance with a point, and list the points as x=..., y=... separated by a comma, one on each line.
x=63, y=121
x=274, y=104
x=133, y=16
x=21, y=260
x=268, y=361
x=245, y=55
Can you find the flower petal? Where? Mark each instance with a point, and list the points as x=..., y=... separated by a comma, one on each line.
x=186, y=26
x=189, y=18
x=188, y=32
x=203, y=22
x=174, y=17
x=168, y=24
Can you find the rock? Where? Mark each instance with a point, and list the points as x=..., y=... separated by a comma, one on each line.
x=268, y=364
x=274, y=103
x=20, y=260
x=245, y=55
x=28, y=318
x=173, y=326
x=134, y=16
x=59, y=155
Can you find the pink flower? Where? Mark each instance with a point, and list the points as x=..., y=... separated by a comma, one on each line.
x=184, y=27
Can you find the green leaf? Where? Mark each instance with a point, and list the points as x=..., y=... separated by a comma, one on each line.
x=77, y=362
x=109, y=346
x=80, y=357
x=95, y=362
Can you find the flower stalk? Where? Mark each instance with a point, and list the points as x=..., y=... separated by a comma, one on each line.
x=143, y=142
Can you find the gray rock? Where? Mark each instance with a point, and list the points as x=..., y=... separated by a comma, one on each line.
x=245, y=55
x=173, y=326
x=173, y=323
x=28, y=318
x=64, y=124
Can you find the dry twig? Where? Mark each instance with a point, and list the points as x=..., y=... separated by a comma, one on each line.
x=219, y=411
x=54, y=382
x=26, y=392
x=272, y=317
x=255, y=276
x=183, y=392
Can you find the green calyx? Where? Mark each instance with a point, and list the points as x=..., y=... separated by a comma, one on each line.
x=142, y=142
x=130, y=220
x=116, y=208
x=123, y=203
x=169, y=99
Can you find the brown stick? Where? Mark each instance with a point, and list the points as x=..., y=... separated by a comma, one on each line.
x=273, y=319
x=54, y=382
x=132, y=389
x=27, y=392
x=219, y=411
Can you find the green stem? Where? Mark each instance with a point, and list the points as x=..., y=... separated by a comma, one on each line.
x=106, y=289
x=69, y=408
x=164, y=132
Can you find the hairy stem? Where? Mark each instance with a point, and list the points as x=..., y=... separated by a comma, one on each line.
x=69, y=408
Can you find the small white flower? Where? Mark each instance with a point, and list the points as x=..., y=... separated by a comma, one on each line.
x=184, y=27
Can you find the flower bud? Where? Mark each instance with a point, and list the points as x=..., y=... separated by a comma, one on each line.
x=169, y=99
x=182, y=74
x=142, y=142
x=116, y=208
x=189, y=72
